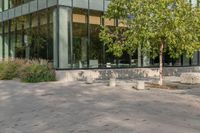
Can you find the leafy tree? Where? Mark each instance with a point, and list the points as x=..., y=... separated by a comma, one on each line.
x=156, y=26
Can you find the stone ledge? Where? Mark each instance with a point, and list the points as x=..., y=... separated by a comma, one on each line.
x=132, y=73
x=105, y=74
x=190, y=78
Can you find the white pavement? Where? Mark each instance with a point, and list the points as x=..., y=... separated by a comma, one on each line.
x=77, y=107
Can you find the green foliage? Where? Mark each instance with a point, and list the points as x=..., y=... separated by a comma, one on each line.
x=27, y=70
x=150, y=23
x=37, y=73
x=9, y=70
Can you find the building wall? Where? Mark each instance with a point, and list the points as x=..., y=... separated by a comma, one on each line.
x=66, y=32
x=29, y=36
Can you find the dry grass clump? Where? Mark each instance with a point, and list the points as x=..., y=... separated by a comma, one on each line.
x=27, y=70
x=157, y=86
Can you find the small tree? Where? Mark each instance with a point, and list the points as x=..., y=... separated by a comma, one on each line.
x=156, y=26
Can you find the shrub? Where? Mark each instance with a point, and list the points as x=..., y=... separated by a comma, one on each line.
x=9, y=70
x=27, y=70
x=34, y=73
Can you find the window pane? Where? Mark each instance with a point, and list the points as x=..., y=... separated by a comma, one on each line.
x=109, y=22
x=6, y=3
x=1, y=7
x=199, y=57
x=177, y=62
x=95, y=47
x=50, y=35
x=14, y=3
x=12, y=38
x=6, y=39
x=124, y=60
x=19, y=46
x=122, y=23
x=185, y=61
x=34, y=36
x=79, y=18
x=134, y=59
x=80, y=39
x=42, y=35
x=195, y=58
x=1, y=41
x=96, y=20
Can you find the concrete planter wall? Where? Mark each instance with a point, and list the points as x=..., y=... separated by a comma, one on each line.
x=177, y=71
x=104, y=74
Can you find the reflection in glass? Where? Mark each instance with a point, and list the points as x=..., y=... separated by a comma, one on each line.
x=95, y=47
x=79, y=18
x=109, y=22
x=50, y=34
x=5, y=4
x=134, y=59
x=6, y=39
x=34, y=36
x=1, y=5
x=42, y=35
x=80, y=39
x=14, y=3
x=186, y=61
x=12, y=39
x=195, y=59
x=1, y=41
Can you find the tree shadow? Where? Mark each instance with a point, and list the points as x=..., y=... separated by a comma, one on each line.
x=75, y=107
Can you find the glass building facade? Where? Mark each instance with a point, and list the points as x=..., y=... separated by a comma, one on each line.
x=66, y=33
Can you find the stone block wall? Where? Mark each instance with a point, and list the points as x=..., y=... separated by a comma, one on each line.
x=176, y=71
x=132, y=73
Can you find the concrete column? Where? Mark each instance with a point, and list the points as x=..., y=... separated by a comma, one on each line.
x=62, y=37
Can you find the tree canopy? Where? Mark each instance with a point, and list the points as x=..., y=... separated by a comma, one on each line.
x=156, y=26
x=175, y=23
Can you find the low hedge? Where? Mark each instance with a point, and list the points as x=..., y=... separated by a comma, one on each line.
x=37, y=73
x=9, y=70
x=27, y=71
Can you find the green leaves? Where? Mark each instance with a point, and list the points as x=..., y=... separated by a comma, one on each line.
x=150, y=22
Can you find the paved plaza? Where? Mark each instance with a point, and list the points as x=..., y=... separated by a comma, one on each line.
x=76, y=107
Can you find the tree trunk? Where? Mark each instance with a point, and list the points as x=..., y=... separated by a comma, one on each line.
x=161, y=63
